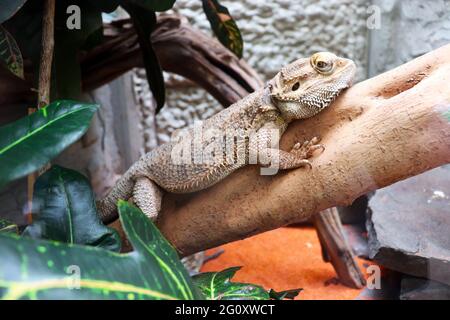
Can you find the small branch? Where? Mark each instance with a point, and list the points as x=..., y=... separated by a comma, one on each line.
x=45, y=74
x=336, y=249
x=48, y=42
x=378, y=132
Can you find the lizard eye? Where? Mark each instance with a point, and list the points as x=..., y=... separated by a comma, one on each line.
x=295, y=86
x=321, y=64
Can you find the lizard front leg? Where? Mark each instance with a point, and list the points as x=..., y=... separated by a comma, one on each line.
x=147, y=196
x=269, y=155
x=297, y=157
x=306, y=149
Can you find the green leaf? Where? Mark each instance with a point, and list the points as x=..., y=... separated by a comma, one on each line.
x=64, y=210
x=224, y=26
x=26, y=28
x=217, y=286
x=106, y=5
x=30, y=142
x=40, y=269
x=10, y=54
x=154, y=5
x=68, y=43
x=287, y=294
x=144, y=22
x=8, y=226
x=9, y=7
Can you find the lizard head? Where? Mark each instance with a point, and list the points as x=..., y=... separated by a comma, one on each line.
x=307, y=86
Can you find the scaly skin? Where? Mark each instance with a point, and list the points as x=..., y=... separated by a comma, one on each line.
x=300, y=90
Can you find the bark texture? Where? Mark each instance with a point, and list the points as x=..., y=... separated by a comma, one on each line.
x=380, y=131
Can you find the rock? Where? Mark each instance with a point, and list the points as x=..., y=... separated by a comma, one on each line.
x=413, y=288
x=408, y=225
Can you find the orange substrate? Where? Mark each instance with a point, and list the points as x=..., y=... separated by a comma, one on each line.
x=283, y=259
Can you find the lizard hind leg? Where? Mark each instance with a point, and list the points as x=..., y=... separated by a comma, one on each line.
x=147, y=196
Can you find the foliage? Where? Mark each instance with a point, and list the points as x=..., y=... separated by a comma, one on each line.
x=30, y=142
x=24, y=23
x=41, y=269
x=10, y=53
x=287, y=294
x=67, y=253
x=224, y=26
x=9, y=8
x=218, y=286
x=154, y=5
x=144, y=22
x=8, y=226
x=64, y=210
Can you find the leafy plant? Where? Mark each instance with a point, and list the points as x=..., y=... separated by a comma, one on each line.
x=154, y=5
x=39, y=269
x=30, y=142
x=25, y=33
x=286, y=294
x=224, y=26
x=64, y=210
x=9, y=8
x=10, y=53
x=8, y=226
x=66, y=234
x=144, y=22
x=218, y=286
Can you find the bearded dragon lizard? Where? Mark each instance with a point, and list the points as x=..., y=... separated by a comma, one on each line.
x=300, y=90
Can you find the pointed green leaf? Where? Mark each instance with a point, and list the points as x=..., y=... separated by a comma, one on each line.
x=40, y=269
x=287, y=294
x=144, y=22
x=218, y=286
x=10, y=54
x=106, y=5
x=8, y=226
x=68, y=43
x=9, y=7
x=153, y=5
x=30, y=142
x=64, y=210
x=224, y=26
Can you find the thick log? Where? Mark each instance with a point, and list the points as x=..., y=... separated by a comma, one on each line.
x=380, y=131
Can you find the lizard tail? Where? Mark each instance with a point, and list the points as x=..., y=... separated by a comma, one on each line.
x=107, y=207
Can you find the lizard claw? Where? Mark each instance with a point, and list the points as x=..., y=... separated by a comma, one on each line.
x=306, y=149
x=304, y=163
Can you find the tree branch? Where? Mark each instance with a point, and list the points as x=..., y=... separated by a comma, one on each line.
x=380, y=131
x=48, y=43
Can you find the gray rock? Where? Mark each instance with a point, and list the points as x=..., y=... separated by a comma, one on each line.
x=413, y=288
x=409, y=225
